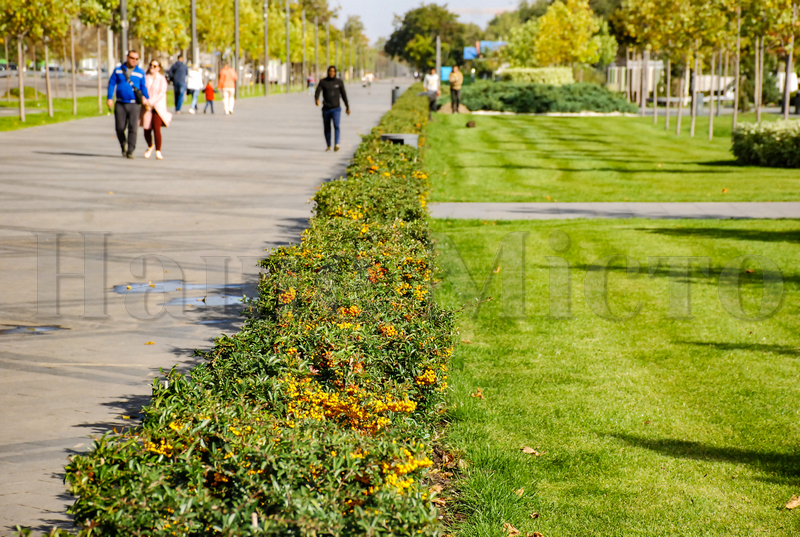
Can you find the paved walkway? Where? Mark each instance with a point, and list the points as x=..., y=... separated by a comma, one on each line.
x=556, y=210
x=229, y=187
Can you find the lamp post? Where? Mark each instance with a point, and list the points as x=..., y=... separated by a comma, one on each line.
x=266, y=48
x=288, y=51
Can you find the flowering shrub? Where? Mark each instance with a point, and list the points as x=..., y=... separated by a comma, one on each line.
x=557, y=76
x=317, y=417
x=775, y=144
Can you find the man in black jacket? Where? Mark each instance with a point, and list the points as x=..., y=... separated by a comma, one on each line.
x=332, y=89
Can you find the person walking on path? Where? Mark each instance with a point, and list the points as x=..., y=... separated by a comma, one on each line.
x=310, y=83
x=209, y=91
x=227, y=84
x=155, y=113
x=456, y=80
x=432, y=88
x=194, y=84
x=127, y=82
x=177, y=75
x=332, y=89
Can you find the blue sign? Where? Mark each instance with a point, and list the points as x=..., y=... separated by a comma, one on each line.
x=470, y=53
x=446, y=73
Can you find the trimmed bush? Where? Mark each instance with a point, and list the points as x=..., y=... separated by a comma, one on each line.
x=317, y=418
x=775, y=145
x=555, y=76
x=542, y=98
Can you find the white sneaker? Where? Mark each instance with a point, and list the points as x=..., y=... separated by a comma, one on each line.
x=159, y=156
x=191, y=110
x=149, y=151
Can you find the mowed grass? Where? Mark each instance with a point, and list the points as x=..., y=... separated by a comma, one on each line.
x=648, y=426
x=541, y=159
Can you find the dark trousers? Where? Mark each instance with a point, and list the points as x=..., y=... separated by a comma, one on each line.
x=329, y=116
x=431, y=103
x=211, y=104
x=155, y=129
x=455, y=99
x=126, y=115
x=179, y=90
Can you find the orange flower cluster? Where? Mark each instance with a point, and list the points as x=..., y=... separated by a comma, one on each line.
x=388, y=330
x=287, y=296
x=427, y=378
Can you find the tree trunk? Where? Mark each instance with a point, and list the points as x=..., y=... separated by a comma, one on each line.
x=35, y=78
x=47, y=79
x=680, y=99
x=668, y=90
x=720, y=82
x=8, y=73
x=694, y=91
x=643, y=84
x=714, y=86
x=737, y=62
x=655, y=98
x=757, y=92
x=786, y=92
x=20, y=65
x=99, y=73
x=72, y=45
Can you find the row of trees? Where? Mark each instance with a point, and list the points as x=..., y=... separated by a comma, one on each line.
x=163, y=26
x=697, y=33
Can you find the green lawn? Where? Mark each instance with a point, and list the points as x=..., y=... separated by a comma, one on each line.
x=649, y=426
x=540, y=159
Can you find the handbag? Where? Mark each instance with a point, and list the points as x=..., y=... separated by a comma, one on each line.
x=136, y=91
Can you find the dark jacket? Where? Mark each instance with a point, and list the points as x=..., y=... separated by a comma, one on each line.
x=124, y=91
x=177, y=73
x=332, y=90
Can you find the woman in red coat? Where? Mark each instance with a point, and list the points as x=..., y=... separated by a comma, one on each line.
x=154, y=112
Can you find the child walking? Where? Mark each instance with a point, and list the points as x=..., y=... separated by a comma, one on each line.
x=209, y=91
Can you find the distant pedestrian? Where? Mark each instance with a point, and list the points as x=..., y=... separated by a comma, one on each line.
x=227, y=84
x=127, y=81
x=432, y=88
x=155, y=113
x=311, y=81
x=332, y=89
x=177, y=75
x=456, y=80
x=209, y=91
x=194, y=83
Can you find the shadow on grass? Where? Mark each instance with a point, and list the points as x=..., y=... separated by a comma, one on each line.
x=735, y=234
x=731, y=162
x=786, y=465
x=783, y=350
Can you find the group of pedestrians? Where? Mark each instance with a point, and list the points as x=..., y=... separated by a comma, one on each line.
x=432, y=87
x=139, y=98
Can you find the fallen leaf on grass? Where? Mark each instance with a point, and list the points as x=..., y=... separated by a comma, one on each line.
x=750, y=271
x=794, y=502
x=495, y=271
x=724, y=190
x=535, y=515
x=520, y=492
x=530, y=451
x=478, y=394
x=150, y=343
x=466, y=341
x=462, y=464
x=509, y=529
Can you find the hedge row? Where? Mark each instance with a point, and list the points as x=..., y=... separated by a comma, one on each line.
x=318, y=417
x=557, y=76
x=775, y=144
x=542, y=98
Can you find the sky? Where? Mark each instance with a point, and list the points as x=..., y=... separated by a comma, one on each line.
x=379, y=14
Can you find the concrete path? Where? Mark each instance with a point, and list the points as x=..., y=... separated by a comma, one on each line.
x=229, y=187
x=555, y=211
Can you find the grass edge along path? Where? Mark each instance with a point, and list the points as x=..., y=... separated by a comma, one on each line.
x=318, y=417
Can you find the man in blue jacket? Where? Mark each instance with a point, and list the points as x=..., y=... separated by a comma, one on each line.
x=177, y=75
x=127, y=106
